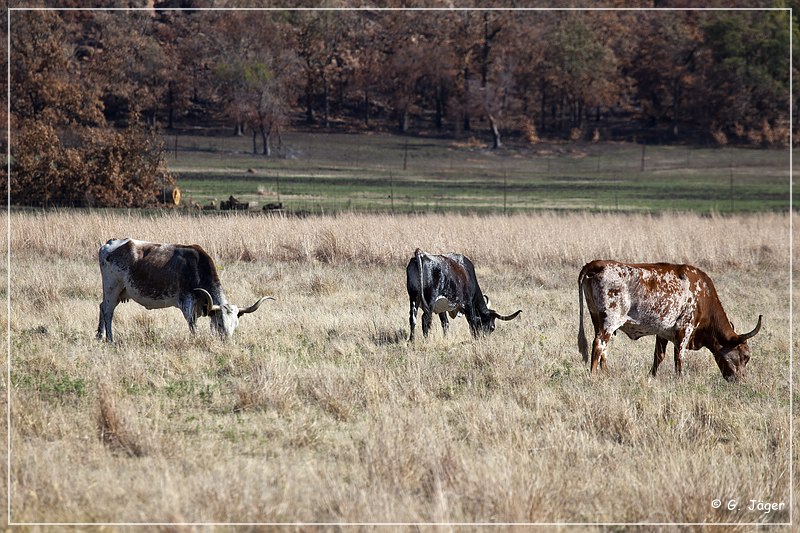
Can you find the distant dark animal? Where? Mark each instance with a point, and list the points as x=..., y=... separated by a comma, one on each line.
x=676, y=303
x=446, y=284
x=165, y=275
x=233, y=204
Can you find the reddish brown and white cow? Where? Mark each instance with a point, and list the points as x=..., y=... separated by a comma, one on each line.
x=447, y=284
x=165, y=275
x=676, y=303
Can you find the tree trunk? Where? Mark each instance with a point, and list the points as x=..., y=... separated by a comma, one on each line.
x=486, y=49
x=265, y=134
x=326, y=102
x=309, y=101
x=255, y=150
x=495, y=132
x=440, y=107
x=366, y=107
x=170, y=107
x=676, y=98
x=543, y=114
x=403, y=120
x=465, y=102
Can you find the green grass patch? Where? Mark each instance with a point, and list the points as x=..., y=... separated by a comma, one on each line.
x=50, y=386
x=384, y=173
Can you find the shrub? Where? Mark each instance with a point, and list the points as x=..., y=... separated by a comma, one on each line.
x=89, y=167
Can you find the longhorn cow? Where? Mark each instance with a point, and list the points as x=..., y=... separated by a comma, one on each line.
x=446, y=284
x=676, y=303
x=165, y=275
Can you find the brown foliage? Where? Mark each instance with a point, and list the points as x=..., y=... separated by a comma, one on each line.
x=103, y=167
x=64, y=152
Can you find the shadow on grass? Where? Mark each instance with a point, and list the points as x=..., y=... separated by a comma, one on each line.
x=388, y=337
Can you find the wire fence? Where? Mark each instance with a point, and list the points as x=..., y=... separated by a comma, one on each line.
x=323, y=174
x=331, y=173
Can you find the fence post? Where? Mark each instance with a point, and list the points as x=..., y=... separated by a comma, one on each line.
x=505, y=190
x=644, y=148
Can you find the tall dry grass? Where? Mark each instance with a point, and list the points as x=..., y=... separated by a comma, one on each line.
x=321, y=412
x=525, y=241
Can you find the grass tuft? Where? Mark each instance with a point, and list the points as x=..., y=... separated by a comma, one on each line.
x=114, y=430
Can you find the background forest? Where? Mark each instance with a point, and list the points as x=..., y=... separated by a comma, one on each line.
x=90, y=89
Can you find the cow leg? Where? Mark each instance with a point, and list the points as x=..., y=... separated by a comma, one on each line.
x=445, y=322
x=113, y=293
x=412, y=319
x=658, y=355
x=681, y=344
x=106, y=316
x=101, y=326
x=426, y=323
x=599, y=348
x=602, y=334
x=187, y=308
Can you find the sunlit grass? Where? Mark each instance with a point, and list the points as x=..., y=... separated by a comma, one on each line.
x=320, y=411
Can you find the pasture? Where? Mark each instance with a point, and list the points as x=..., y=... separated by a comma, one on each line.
x=320, y=411
x=382, y=173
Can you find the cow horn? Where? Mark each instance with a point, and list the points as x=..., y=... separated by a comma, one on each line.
x=746, y=336
x=254, y=306
x=208, y=302
x=512, y=316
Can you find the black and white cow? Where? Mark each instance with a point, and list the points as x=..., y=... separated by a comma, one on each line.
x=165, y=275
x=446, y=284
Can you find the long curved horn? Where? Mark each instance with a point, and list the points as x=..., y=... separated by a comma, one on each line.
x=254, y=306
x=208, y=303
x=746, y=336
x=512, y=316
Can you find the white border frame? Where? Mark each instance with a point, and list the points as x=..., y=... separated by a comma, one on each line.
x=374, y=524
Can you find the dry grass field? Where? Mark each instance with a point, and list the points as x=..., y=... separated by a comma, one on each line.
x=320, y=411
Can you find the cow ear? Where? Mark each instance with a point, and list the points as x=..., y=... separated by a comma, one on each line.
x=488, y=302
x=204, y=300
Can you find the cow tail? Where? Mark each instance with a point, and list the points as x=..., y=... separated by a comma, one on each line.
x=418, y=254
x=583, y=345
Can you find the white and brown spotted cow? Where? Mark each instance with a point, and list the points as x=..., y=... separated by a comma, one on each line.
x=447, y=284
x=165, y=275
x=676, y=303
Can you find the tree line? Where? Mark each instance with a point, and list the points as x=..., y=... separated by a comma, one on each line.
x=91, y=88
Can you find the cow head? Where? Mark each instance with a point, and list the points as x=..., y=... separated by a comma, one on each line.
x=732, y=358
x=225, y=317
x=486, y=318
